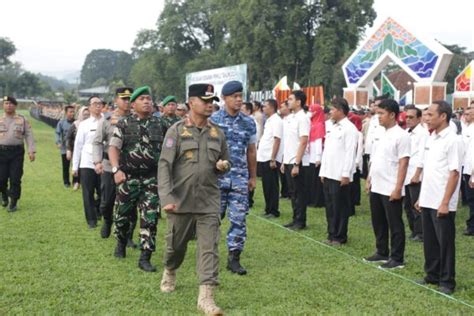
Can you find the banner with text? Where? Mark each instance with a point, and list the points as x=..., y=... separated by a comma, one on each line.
x=218, y=77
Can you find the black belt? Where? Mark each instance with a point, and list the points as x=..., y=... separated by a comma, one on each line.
x=11, y=147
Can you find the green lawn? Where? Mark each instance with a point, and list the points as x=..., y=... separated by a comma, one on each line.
x=51, y=263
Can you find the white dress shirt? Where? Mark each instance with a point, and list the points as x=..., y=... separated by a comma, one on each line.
x=273, y=128
x=359, y=162
x=468, y=136
x=339, y=153
x=393, y=145
x=82, y=156
x=418, y=137
x=295, y=125
x=443, y=153
x=373, y=133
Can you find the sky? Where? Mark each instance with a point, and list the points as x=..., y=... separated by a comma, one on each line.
x=53, y=37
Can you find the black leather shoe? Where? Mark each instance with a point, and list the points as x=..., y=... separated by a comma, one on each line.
x=12, y=207
x=144, y=261
x=106, y=229
x=4, y=199
x=233, y=263
x=426, y=282
x=468, y=232
x=120, y=251
x=446, y=290
x=289, y=225
x=297, y=227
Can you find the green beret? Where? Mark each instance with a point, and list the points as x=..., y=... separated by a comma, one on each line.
x=168, y=99
x=140, y=91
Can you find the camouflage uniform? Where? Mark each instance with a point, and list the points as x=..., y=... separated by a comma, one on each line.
x=139, y=142
x=100, y=146
x=240, y=132
x=168, y=120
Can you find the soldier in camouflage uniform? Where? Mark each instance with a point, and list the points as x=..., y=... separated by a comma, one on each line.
x=14, y=131
x=240, y=131
x=169, y=116
x=134, y=150
x=100, y=157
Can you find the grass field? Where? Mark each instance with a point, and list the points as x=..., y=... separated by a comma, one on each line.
x=51, y=263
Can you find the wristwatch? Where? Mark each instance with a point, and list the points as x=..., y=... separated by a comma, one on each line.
x=115, y=170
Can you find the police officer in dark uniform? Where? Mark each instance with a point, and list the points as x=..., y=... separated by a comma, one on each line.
x=134, y=150
x=14, y=131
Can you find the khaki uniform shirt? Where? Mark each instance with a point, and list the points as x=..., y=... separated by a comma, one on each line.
x=187, y=174
x=15, y=130
x=100, y=144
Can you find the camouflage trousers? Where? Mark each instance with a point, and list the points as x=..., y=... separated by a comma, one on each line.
x=140, y=193
x=236, y=204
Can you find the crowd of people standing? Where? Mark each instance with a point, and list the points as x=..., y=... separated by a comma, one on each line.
x=199, y=163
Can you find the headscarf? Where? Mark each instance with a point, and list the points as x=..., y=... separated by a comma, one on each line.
x=80, y=116
x=318, y=126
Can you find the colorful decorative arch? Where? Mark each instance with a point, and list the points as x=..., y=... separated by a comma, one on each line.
x=463, y=81
x=392, y=42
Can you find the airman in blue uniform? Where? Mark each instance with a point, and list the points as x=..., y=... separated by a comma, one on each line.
x=240, y=131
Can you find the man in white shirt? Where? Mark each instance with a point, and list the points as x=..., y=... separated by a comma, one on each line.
x=269, y=157
x=468, y=136
x=296, y=128
x=439, y=197
x=373, y=132
x=82, y=158
x=337, y=166
x=387, y=172
x=418, y=135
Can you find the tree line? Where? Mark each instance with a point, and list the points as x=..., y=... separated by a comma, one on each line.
x=305, y=40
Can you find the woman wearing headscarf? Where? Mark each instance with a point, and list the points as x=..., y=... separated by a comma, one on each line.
x=82, y=115
x=316, y=136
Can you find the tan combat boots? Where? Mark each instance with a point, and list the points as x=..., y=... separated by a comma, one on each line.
x=206, y=301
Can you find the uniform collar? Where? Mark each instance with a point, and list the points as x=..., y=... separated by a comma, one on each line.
x=226, y=114
x=135, y=116
x=417, y=128
x=443, y=133
x=342, y=122
x=94, y=119
x=188, y=122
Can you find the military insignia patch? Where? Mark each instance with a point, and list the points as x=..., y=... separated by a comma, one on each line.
x=186, y=133
x=213, y=132
x=169, y=142
x=189, y=154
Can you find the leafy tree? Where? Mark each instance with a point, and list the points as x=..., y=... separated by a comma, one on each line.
x=299, y=38
x=7, y=49
x=106, y=64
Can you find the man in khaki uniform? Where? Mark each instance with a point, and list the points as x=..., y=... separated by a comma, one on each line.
x=14, y=131
x=100, y=157
x=194, y=153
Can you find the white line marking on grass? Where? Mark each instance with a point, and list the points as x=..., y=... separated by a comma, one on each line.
x=366, y=263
